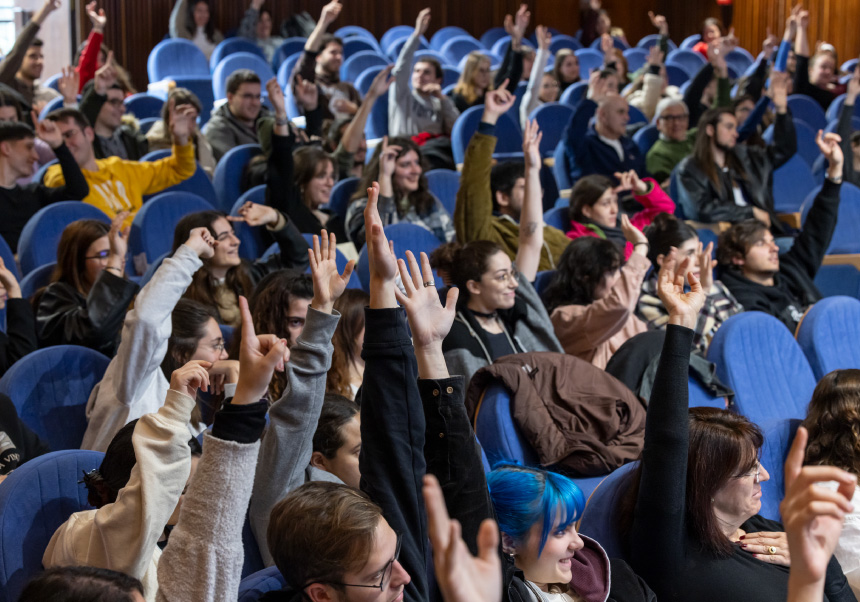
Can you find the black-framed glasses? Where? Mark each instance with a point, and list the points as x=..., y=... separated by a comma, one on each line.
x=100, y=255
x=386, y=571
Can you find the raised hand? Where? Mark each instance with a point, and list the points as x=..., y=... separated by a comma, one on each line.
x=660, y=22
x=190, y=377
x=118, y=237
x=380, y=83
x=497, y=102
x=853, y=88
x=105, y=77
x=47, y=8
x=328, y=283
x=9, y=282
x=48, y=131
x=707, y=263
x=629, y=180
x=380, y=254
x=655, y=56
x=779, y=90
x=431, y=89
x=683, y=307
x=182, y=123
x=531, y=144
x=423, y=21
x=255, y=214
x=461, y=576
x=276, y=97
x=598, y=88
x=429, y=321
x=544, y=37
x=330, y=12
x=307, y=94
x=770, y=44
x=97, y=17
x=802, y=19
x=521, y=21
x=388, y=158
x=828, y=144
x=791, y=23
x=632, y=234
x=257, y=4
x=69, y=84
x=200, y=241
x=259, y=357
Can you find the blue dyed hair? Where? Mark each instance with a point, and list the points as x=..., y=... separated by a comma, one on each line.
x=524, y=496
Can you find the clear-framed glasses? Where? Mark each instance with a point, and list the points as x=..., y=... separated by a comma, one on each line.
x=755, y=473
x=513, y=276
x=218, y=347
x=386, y=571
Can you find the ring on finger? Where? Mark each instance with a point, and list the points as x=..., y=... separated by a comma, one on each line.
x=771, y=550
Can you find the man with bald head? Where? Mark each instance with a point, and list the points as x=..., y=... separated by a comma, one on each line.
x=604, y=148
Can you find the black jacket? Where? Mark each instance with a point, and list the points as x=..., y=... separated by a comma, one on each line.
x=794, y=288
x=17, y=442
x=135, y=143
x=65, y=317
x=20, y=336
x=702, y=201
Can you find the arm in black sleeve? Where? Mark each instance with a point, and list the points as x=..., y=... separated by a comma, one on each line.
x=240, y=423
x=693, y=95
x=659, y=515
x=392, y=438
x=293, y=255
x=314, y=121
x=696, y=188
x=20, y=337
x=91, y=103
x=844, y=129
x=27, y=443
x=281, y=190
x=810, y=246
x=755, y=82
x=784, y=143
x=75, y=187
x=511, y=70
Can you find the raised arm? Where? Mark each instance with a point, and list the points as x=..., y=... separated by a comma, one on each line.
x=403, y=67
x=12, y=62
x=328, y=16
x=531, y=217
x=248, y=26
x=178, y=19
x=75, y=186
x=531, y=96
x=88, y=63
x=845, y=128
x=354, y=133
x=784, y=144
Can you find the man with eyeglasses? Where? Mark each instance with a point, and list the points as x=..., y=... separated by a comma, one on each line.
x=236, y=121
x=102, y=105
x=676, y=139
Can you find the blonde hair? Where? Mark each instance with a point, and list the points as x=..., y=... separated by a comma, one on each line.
x=465, y=87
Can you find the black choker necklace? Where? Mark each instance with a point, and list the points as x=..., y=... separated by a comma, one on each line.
x=488, y=316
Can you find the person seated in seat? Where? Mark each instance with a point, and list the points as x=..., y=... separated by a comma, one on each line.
x=676, y=139
x=783, y=285
x=347, y=366
x=117, y=185
x=712, y=30
x=256, y=25
x=79, y=583
x=237, y=120
x=193, y=20
x=566, y=69
x=816, y=77
x=19, y=338
x=159, y=136
x=543, y=87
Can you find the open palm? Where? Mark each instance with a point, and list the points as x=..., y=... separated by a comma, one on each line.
x=683, y=306
x=329, y=284
x=429, y=320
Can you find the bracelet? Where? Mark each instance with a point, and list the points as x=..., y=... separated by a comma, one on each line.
x=282, y=120
x=641, y=243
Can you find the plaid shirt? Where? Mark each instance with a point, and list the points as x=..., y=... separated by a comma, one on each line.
x=437, y=219
x=719, y=306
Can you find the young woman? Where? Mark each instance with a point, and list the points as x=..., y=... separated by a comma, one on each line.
x=192, y=20
x=476, y=80
x=337, y=440
x=816, y=77
x=86, y=301
x=592, y=296
x=225, y=276
x=565, y=69
x=405, y=196
x=159, y=135
x=594, y=207
x=257, y=25
x=347, y=367
x=665, y=233
x=712, y=30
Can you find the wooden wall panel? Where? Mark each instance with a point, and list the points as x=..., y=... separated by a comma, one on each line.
x=135, y=26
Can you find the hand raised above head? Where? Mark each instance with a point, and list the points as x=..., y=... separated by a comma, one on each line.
x=683, y=307
x=328, y=283
x=429, y=320
x=259, y=357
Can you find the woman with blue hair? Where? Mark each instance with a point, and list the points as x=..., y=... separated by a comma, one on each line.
x=547, y=560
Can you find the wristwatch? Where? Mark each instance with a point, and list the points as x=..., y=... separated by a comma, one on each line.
x=282, y=120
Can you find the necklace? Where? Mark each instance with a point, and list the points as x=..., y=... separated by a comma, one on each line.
x=489, y=316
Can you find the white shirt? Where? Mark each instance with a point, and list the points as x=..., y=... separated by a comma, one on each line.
x=616, y=144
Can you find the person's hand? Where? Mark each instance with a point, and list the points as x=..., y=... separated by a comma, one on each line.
x=778, y=88
x=259, y=357
x=770, y=44
x=461, y=576
x=221, y=373
x=276, y=97
x=105, y=77
x=431, y=89
x=630, y=180
x=328, y=283
x=48, y=131
x=69, y=84
x=758, y=544
x=828, y=144
x=200, y=241
x=813, y=515
x=429, y=321
x=531, y=145
x=423, y=21
x=257, y=4
x=47, y=8
x=344, y=105
x=853, y=88
x=388, y=158
x=791, y=23
x=97, y=17
x=380, y=254
x=255, y=214
x=803, y=19
x=762, y=216
x=655, y=56
x=521, y=21
x=660, y=22
x=182, y=123
x=683, y=307
x=598, y=88
x=380, y=83
x=330, y=12
x=307, y=94
x=9, y=282
x=717, y=58
x=606, y=44
x=543, y=36
x=633, y=235
x=190, y=377
x=118, y=236
x=707, y=263
x=497, y=102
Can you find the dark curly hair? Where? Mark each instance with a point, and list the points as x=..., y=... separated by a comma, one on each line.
x=833, y=421
x=580, y=270
x=664, y=232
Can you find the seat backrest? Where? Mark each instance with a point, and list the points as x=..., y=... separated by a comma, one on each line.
x=509, y=139
x=286, y=69
x=176, y=57
x=806, y=109
x=636, y=58
x=234, y=62
x=542, y=280
x=199, y=184
x=52, y=105
x=459, y=46
x=558, y=217
x=338, y=200
x=845, y=238
x=356, y=64
x=500, y=46
x=290, y=47
x=41, y=234
x=355, y=45
x=365, y=79
x=589, y=60
x=494, y=34
x=806, y=146
x=828, y=335
x=350, y=31
x=377, y=121
x=36, y=279
x=254, y=586
x=446, y=33
x=498, y=432
x=778, y=437
x=406, y=237
x=35, y=500
x=252, y=245
x=792, y=182
x=688, y=60
x=677, y=76
x=600, y=518
x=552, y=117
x=652, y=40
x=560, y=168
x=740, y=59
x=232, y=46
x=699, y=397
x=202, y=88
x=563, y=41
x=392, y=51
x=691, y=41
x=753, y=344
x=444, y=184
x=398, y=32
x=50, y=388
x=646, y=137
x=574, y=94
x=153, y=225
x=143, y=105
x=228, y=174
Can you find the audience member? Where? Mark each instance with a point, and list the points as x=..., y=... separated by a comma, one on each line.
x=91, y=55
x=160, y=136
x=18, y=157
x=490, y=198
x=192, y=20
x=19, y=337
x=665, y=233
x=542, y=87
x=565, y=68
x=102, y=105
x=850, y=141
x=225, y=276
x=712, y=30
x=711, y=88
x=82, y=584
x=237, y=121
x=86, y=301
x=594, y=20
x=404, y=195
x=117, y=185
x=347, y=366
x=18, y=443
x=337, y=440
x=12, y=107
x=256, y=25
x=815, y=77
x=783, y=286
x=676, y=140
x=594, y=207
x=651, y=85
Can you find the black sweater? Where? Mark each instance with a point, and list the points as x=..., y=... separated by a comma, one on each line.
x=794, y=288
x=511, y=69
x=802, y=85
x=18, y=204
x=20, y=336
x=663, y=551
x=18, y=443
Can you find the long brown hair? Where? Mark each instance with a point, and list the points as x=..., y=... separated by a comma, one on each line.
x=308, y=161
x=351, y=307
x=72, y=251
x=421, y=199
x=562, y=54
x=702, y=154
x=833, y=421
x=465, y=85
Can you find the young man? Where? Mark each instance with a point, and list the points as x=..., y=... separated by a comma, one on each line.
x=783, y=286
x=115, y=184
x=17, y=158
x=490, y=199
x=321, y=61
x=235, y=122
x=102, y=105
